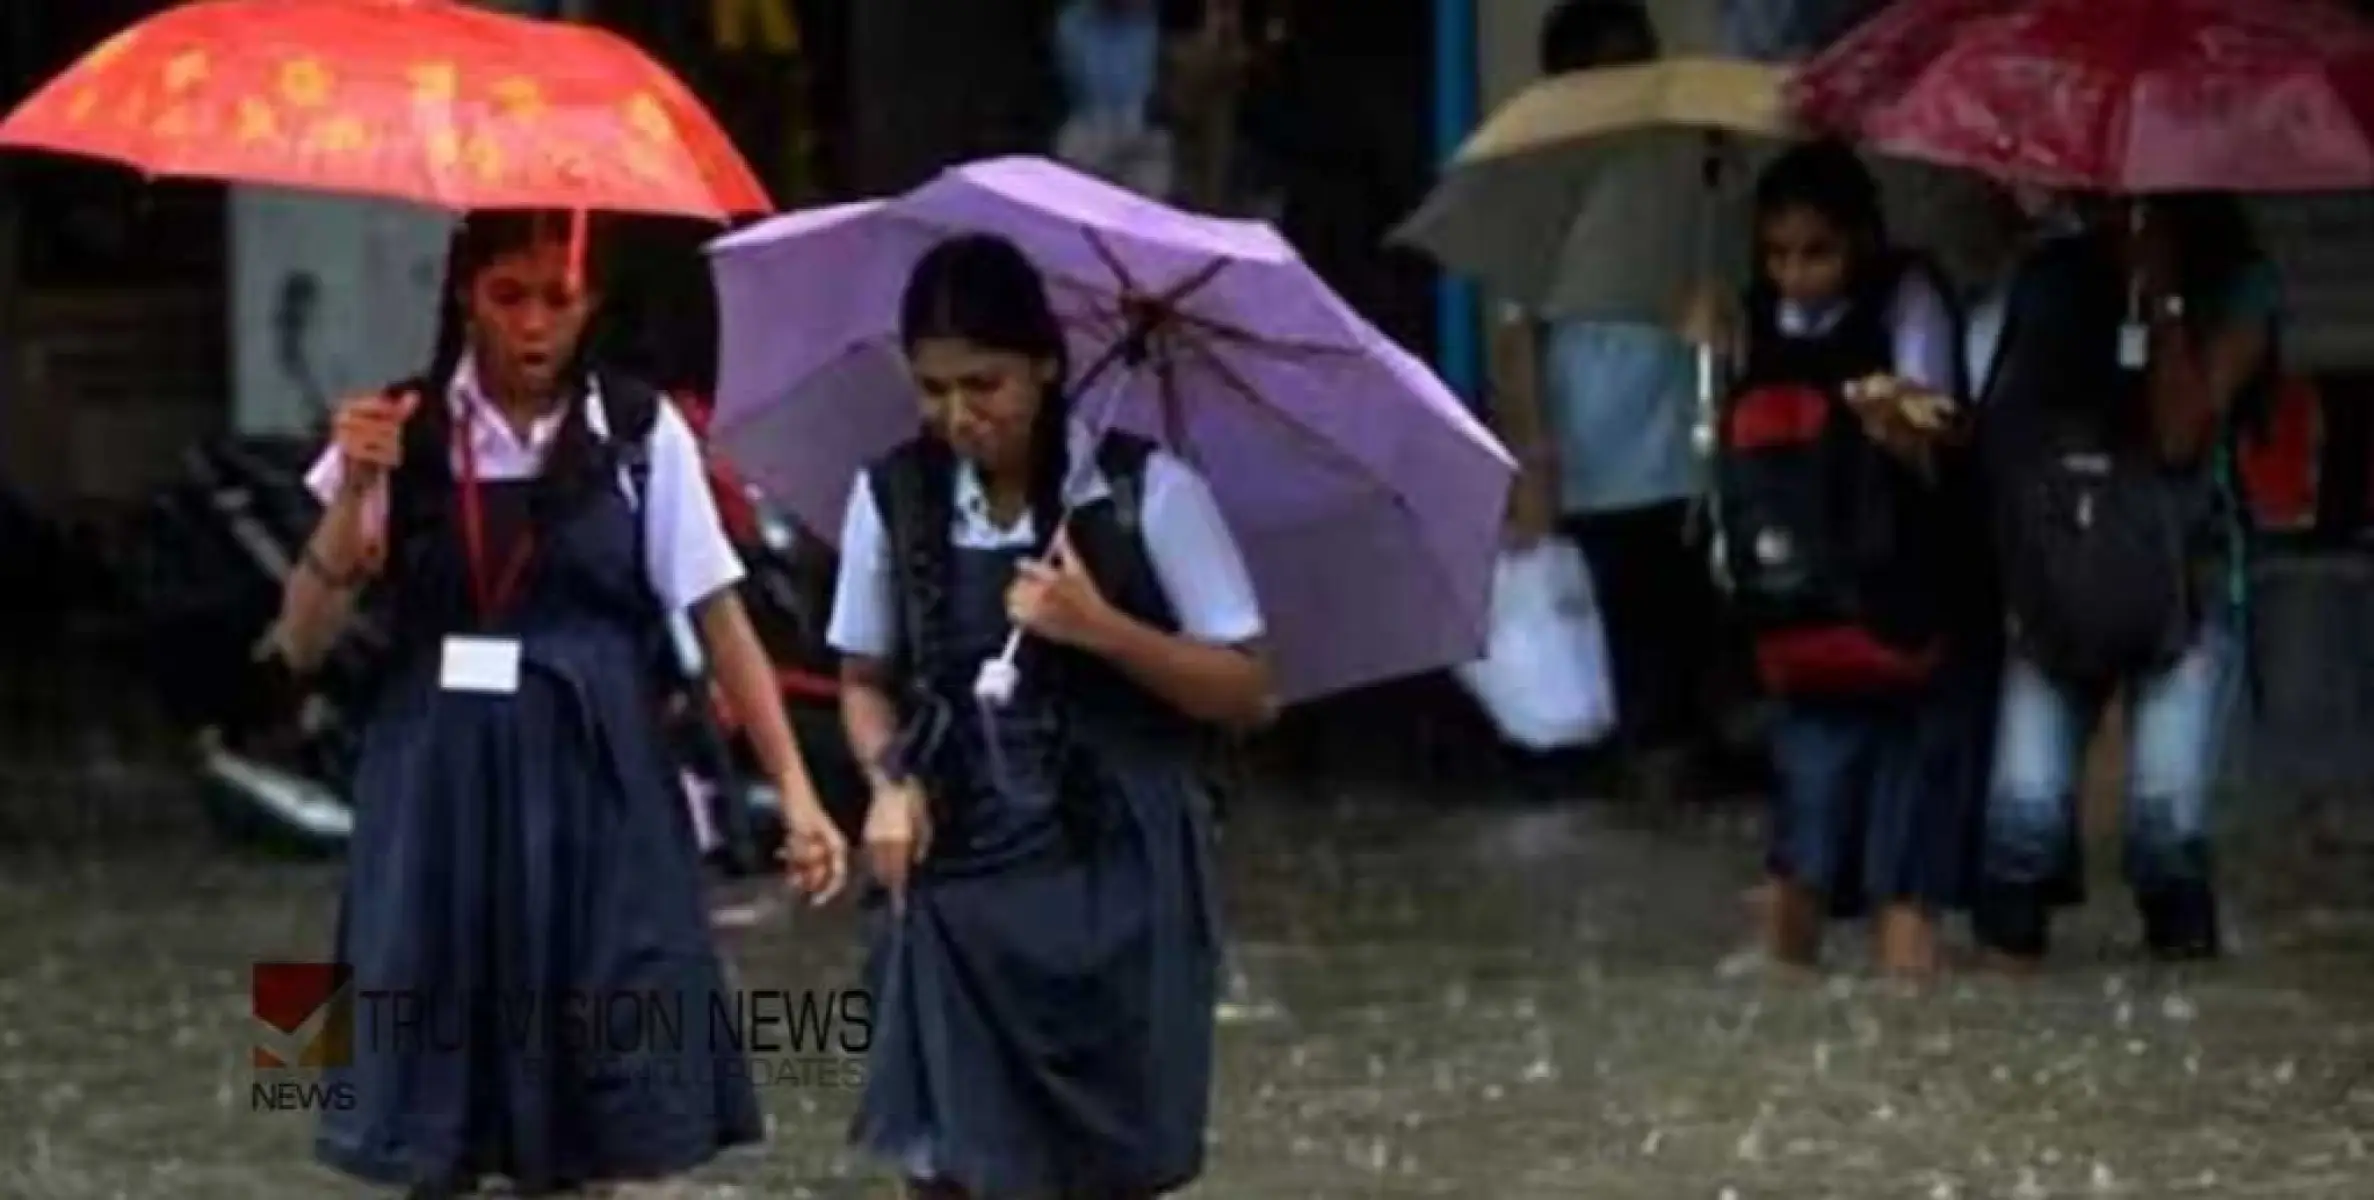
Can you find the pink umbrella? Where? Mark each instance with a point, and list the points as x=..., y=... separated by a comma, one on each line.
x=1367, y=499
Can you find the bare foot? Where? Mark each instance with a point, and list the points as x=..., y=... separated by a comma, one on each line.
x=1907, y=948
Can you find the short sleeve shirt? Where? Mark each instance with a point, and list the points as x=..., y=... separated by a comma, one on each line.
x=1194, y=556
x=687, y=556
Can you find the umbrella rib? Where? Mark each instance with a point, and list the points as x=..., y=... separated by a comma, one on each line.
x=1111, y=308
x=1235, y=385
x=1112, y=259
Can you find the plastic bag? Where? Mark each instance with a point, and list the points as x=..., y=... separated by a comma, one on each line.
x=1544, y=680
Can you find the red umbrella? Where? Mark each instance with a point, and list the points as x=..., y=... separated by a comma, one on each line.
x=2122, y=96
x=425, y=100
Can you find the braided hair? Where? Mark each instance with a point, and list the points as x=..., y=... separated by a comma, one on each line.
x=982, y=289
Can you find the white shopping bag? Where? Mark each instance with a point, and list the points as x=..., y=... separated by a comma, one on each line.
x=1544, y=680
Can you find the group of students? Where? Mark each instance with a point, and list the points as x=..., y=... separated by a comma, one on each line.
x=1954, y=527
x=1042, y=928
x=1949, y=559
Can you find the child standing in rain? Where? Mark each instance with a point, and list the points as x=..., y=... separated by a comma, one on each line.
x=521, y=843
x=1045, y=943
x=1836, y=514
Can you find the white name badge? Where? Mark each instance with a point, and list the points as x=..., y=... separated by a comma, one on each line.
x=2134, y=345
x=486, y=666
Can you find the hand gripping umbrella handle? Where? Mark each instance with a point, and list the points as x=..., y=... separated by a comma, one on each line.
x=994, y=685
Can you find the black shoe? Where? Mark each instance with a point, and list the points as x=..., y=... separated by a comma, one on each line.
x=2180, y=924
x=2012, y=919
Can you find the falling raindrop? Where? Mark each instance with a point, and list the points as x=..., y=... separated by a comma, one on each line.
x=2104, y=1181
x=1751, y=1143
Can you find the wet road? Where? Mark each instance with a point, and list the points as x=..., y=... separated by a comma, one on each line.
x=1493, y=1000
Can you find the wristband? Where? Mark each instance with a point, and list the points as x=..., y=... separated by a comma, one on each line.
x=321, y=571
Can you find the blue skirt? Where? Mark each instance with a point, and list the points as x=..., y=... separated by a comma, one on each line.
x=1878, y=801
x=524, y=881
x=1045, y=1021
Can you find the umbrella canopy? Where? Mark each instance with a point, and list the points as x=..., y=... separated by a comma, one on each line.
x=1367, y=500
x=1613, y=194
x=431, y=101
x=2121, y=96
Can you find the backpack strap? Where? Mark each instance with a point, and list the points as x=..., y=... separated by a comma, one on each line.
x=1122, y=457
x=902, y=486
x=630, y=408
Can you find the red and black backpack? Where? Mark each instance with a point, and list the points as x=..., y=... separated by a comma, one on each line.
x=1839, y=554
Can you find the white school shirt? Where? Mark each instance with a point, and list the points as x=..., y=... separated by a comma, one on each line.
x=1920, y=333
x=1194, y=557
x=687, y=556
x=1984, y=341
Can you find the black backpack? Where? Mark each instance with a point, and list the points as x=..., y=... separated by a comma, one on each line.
x=1835, y=549
x=2093, y=534
x=2095, y=560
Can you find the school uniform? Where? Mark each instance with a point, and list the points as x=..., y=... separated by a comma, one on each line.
x=529, y=844
x=1868, y=810
x=1045, y=997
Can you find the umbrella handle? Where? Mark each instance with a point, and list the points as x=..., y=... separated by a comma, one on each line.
x=994, y=686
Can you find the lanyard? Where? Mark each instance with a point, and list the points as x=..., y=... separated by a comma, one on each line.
x=493, y=594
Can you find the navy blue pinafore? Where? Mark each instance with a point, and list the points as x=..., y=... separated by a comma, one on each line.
x=523, y=904
x=1044, y=1004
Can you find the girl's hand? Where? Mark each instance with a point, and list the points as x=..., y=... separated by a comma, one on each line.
x=1058, y=601
x=897, y=835
x=814, y=854
x=369, y=434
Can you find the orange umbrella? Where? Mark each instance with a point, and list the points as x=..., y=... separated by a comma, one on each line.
x=431, y=101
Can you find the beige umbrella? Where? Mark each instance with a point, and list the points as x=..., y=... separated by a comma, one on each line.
x=1620, y=194
x=1614, y=194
